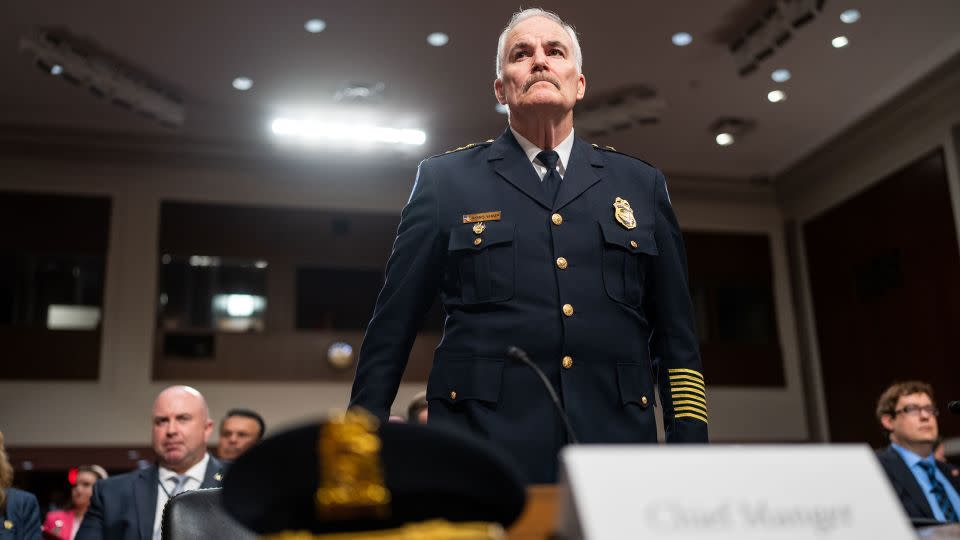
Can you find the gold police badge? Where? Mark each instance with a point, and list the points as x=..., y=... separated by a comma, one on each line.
x=624, y=214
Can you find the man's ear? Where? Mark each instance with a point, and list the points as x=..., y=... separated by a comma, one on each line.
x=887, y=422
x=581, y=87
x=498, y=91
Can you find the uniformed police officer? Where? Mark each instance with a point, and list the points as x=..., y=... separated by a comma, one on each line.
x=540, y=240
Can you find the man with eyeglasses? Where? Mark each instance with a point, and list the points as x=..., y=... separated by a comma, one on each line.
x=926, y=488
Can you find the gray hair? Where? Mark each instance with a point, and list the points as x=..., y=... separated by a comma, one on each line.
x=528, y=13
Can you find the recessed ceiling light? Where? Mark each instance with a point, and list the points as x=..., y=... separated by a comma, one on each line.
x=502, y=109
x=776, y=96
x=315, y=26
x=681, y=39
x=438, y=39
x=839, y=42
x=850, y=16
x=243, y=83
x=780, y=75
x=56, y=69
x=724, y=139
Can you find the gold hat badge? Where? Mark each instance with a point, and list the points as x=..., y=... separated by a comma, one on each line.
x=623, y=213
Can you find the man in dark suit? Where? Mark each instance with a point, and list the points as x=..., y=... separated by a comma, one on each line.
x=926, y=488
x=540, y=240
x=129, y=506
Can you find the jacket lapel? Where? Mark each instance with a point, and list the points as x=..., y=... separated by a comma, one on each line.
x=214, y=474
x=508, y=159
x=145, y=499
x=908, y=482
x=582, y=172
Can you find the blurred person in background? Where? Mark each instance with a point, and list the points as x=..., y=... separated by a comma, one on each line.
x=63, y=524
x=19, y=511
x=239, y=430
x=417, y=410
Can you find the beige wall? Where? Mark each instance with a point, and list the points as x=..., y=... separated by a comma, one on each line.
x=915, y=123
x=114, y=410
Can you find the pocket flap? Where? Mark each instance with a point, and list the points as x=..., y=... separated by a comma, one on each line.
x=634, y=241
x=461, y=378
x=634, y=385
x=462, y=236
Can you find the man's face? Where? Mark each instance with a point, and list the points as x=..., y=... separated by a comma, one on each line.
x=237, y=434
x=180, y=429
x=83, y=489
x=919, y=427
x=539, y=70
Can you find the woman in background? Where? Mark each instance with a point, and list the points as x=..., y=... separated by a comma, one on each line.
x=19, y=511
x=64, y=524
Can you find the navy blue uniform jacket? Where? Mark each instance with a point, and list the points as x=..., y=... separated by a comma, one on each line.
x=21, y=519
x=626, y=291
x=123, y=507
x=905, y=483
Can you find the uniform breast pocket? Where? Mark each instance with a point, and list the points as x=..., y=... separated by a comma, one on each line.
x=485, y=263
x=625, y=257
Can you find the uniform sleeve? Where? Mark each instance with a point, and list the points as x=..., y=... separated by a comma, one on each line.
x=673, y=343
x=91, y=528
x=412, y=281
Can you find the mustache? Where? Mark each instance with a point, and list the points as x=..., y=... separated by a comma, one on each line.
x=541, y=76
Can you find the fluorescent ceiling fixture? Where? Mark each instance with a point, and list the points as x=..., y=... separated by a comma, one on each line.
x=243, y=83
x=776, y=96
x=166, y=258
x=315, y=26
x=239, y=305
x=724, y=139
x=839, y=42
x=502, y=109
x=71, y=317
x=780, y=75
x=438, y=39
x=204, y=260
x=56, y=69
x=312, y=130
x=850, y=16
x=260, y=264
x=681, y=39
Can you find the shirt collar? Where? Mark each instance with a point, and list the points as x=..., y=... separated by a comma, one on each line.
x=531, y=150
x=196, y=472
x=910, y=457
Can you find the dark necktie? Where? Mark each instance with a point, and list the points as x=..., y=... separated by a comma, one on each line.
x=551, y=181
x=939, y=493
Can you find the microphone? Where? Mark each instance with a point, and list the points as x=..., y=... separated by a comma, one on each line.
x=519, y=355
x=954, y=407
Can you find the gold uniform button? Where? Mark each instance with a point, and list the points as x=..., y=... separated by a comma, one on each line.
x=633, y=244
x=643, y=400
x=453, y=395
x=561, y=263
x=477, y=241
x=567, y=362
x=557, y=219
x=567, y=310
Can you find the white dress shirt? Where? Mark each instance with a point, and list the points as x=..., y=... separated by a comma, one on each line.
x=563, y=150
x=168, y=482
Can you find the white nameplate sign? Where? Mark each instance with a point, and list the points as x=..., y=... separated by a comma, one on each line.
x=697, y=492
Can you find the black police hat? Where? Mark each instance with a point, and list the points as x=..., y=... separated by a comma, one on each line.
x=429, y=473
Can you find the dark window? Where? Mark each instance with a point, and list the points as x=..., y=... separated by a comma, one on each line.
x=52, y=271
x=343, y=299
x=202, y=292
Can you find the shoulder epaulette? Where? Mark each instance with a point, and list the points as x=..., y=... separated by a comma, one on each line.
x=615, y=151
x=469, y=146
